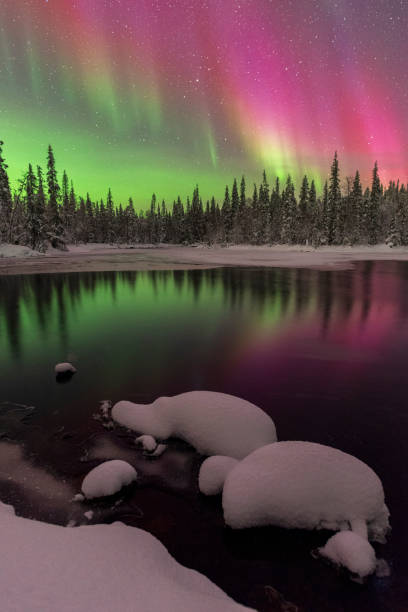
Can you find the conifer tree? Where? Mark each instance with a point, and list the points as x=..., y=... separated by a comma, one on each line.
x=288, y=213
x=110, y=218
x=334, y=200
x=357, y=210
x=303, y=229
x=227, y=215
x=374, y=208
x=53, y=213
x=5, y=199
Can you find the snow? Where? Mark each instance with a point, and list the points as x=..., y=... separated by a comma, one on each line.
x=350, y=550
x=213, y=473
x=108, y=478
x=64, y=368
x=17, y=250
x=160, y=448
x=148, y=443
x=45, y=568
x=307, y=486
x=213, y=423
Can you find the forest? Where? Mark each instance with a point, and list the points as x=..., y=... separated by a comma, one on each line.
x=44, y=211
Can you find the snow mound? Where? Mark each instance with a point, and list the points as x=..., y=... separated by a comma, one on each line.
x=213, y=472
x=306, y=486
x=64, y=368
x=108, y=478
x=350, y=550
x=45, y=568
x=213, y=423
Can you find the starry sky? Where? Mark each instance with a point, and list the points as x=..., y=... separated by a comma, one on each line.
x=160, y=95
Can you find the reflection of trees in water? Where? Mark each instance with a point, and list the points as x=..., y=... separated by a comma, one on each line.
x=331, y=293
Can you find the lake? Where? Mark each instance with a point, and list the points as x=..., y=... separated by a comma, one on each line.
x=323, y=352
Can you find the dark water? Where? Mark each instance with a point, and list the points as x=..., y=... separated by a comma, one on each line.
x=324, y=353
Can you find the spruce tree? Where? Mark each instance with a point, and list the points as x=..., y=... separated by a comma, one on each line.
x=334, y=200
x=289, y=205
x=303, y=225
x=227, y=215
x=357, y=206
x=53, y=212
x=374, y=228
x=5, y=199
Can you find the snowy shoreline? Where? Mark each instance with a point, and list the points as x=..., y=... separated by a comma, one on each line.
x=102, y=257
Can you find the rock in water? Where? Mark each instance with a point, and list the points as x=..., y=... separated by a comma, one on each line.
x=213, y=473
x=64, y=371
x=306, y=486
x=108, y=478
x=213, y=423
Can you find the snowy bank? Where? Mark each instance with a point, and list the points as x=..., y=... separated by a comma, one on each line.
x=213, y=423
x=44, y=568
x=306, y=486
x=17, y=250
x=108, y=478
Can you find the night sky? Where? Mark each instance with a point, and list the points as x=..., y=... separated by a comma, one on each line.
x=147, y=96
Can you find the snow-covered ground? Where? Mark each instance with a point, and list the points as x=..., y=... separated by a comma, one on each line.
x=16, y=250
x=102, y=257
x=213, y=423
x=45, y=568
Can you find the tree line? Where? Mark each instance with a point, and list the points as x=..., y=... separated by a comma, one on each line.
x=43, y=211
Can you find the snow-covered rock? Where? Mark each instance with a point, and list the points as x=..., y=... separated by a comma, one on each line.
x=64, y=368
x=350, y=550
x=213, y=472
x=307, y=486
x=108, y=478
x=213, y=423
x=159, y=450
x=148, y=443
x=44, y=568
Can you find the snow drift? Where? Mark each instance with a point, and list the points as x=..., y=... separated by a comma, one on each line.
x=45, y=568
x=108, y=478
x=213, y=423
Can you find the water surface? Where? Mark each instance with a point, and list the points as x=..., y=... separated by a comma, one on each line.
x=324, y=353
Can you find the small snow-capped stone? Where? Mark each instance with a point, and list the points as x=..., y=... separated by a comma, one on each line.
x=147, y=442
x=64, y=368
x=350, y=550
x=213, y=473
x=159, y=450
x=78, y=497
x=89, y=515
x=108, y=478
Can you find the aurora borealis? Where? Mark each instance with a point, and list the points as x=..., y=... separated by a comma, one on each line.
x=160, y=95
